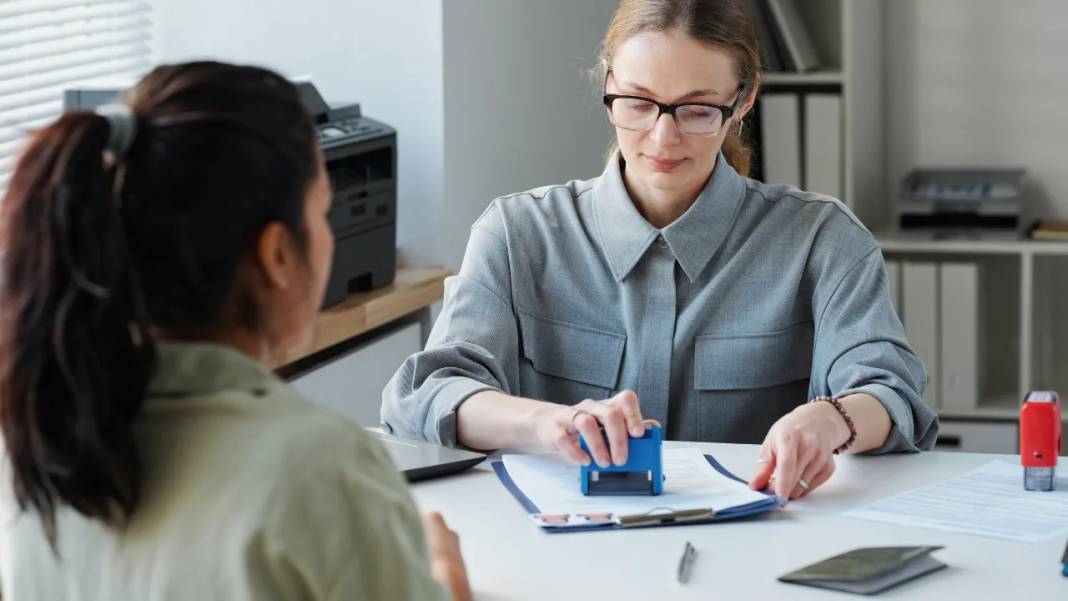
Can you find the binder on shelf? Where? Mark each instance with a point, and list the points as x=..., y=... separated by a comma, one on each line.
x=962, y=339
x=919, y=294
x=780, y=132
x=769, y=50
x=796, y=43
x=823, y=144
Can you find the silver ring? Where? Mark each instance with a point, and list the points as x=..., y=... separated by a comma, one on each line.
x=802, y=483
x=574, y=415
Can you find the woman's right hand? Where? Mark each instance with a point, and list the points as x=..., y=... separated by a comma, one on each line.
x=446, y=562
x=558, y=425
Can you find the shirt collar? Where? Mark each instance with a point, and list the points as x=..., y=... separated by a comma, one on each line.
x=195, y=369
x=693, y=238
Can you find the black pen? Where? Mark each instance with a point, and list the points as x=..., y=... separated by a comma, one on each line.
x=689, y=553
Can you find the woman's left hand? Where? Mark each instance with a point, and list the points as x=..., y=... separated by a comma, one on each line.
x=797, y=454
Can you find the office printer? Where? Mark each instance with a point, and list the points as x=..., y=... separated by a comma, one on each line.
x=961, y=203
x=361, y=161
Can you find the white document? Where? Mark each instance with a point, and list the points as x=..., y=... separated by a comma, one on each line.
x=989, y=501
x=551, y=482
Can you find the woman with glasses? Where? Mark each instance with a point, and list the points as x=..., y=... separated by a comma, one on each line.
x=671, y=288
x=158, y=257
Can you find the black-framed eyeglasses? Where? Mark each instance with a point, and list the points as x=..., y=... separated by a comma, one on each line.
x=637, y=113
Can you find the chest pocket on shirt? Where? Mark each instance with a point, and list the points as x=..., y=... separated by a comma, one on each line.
x=565, y=362
x=753, y=360
x=746, y=382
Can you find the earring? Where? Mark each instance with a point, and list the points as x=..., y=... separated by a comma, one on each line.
x=739, y=126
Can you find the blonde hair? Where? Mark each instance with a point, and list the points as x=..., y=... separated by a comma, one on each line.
x=725, y=24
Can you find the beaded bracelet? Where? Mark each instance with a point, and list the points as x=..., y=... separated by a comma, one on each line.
x=848, y=420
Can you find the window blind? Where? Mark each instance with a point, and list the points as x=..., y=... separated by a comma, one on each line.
x=47, y=46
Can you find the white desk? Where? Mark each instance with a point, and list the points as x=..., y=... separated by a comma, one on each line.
x=508, y=558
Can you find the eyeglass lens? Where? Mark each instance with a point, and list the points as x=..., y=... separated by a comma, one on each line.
x=640, y=115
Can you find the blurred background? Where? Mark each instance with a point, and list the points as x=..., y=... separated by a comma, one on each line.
x=940, y=123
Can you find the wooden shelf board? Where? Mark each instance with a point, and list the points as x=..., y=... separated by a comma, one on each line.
x=413, y=289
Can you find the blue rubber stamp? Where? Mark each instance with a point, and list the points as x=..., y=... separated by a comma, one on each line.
x=642, y=474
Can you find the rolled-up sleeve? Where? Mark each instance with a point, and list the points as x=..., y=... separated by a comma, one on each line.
x=860, y=347
x=473, y=346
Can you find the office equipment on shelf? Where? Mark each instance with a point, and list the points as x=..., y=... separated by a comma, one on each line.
x=780, y=128
x=642, y=474
x=961, y=203
x=919, y=294
x=987, y=501
x=419, y=460
x=1040, y=439
x=361, y=161
x=962, y=335
x=90, y=96
x=799, y=51
x=868, y=570
x=823, y=144
x=697, y=489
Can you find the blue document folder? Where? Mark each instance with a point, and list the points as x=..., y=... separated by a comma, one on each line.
x=665, y=518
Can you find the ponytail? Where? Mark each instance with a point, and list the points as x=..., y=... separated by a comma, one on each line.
x=144, y=215
x=738, y=153
x=75, y=354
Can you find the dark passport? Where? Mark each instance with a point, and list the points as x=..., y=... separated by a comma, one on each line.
x=868, y=570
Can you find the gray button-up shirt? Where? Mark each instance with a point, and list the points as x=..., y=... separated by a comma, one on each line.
x=756, y=299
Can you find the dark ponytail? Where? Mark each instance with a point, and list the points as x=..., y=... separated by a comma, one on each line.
x=100, y=250
x=72, y=324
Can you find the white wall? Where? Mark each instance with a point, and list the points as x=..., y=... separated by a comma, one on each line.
x=385, y=55
x=520, y=110
x=980, y=83
x=488, y=96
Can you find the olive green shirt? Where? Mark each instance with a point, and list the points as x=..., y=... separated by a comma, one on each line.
x=249, y=492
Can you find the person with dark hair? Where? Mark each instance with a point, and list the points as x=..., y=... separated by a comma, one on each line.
x=158, y=256
x=672, y=287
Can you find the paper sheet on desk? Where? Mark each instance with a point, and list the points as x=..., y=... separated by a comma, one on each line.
x=989, y=501
x=551, y=483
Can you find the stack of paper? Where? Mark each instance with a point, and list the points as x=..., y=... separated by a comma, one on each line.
x=989, y=501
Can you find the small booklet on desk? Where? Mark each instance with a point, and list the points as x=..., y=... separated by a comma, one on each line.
x=697, y=489
x=868, y=570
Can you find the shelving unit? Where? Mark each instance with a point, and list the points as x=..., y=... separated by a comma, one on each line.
x=1027, y=346
x=847, y=35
